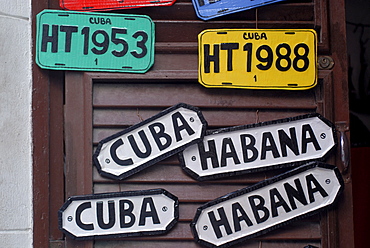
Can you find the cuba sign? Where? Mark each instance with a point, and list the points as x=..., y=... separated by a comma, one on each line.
x=267, y=205
x=122, y=214
x=262, y=146
x=150, y=141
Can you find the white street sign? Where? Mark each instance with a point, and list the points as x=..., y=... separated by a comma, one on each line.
x=262, y=146
x=122, y=214
x=267, y=205
x=150, y=141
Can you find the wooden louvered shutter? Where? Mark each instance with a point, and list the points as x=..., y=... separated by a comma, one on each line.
x=98, y=105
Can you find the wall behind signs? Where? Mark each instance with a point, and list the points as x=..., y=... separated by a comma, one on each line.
x=15, y=125
x=358, y=44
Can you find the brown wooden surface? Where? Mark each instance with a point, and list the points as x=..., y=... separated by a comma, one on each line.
x=78, y=141
x=189, y=244
x=40, y=149
x=184, y=10
x=100, y=104
x=336, y=15
x=119, y=105
x=40, y=144
x=78, y=129
x=114, y=118
x=146, y=95
x=155, y=174
x=56, y=171
x=299, y=230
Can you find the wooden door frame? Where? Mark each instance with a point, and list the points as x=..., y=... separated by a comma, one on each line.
x=47, y=144
x=48, y=119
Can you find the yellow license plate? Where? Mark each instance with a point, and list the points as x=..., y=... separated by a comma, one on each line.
x=258, y=58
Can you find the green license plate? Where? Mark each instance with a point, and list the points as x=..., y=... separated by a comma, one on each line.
x=68, y=40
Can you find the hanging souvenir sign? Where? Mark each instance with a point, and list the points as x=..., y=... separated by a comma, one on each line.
x=99, y=5
x=122, y=214
x=150, y=141
x=208, y=9
x=267, y=205
x=258, y=58
x=261, y=146
x=67, y=40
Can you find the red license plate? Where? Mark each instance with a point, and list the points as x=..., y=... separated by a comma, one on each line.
x=97, y=5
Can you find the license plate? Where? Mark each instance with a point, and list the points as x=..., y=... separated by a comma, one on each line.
x=208, y=9
x=96, y=5
x=68, y=40
x=258, y=59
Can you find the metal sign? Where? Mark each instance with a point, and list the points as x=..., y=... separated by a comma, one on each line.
x=258, y=58
x=123, y=214
x=208, y=9
x=99, y=5
x=67, y=40
x=150, y=141
x=261, y=146
x=267, y=205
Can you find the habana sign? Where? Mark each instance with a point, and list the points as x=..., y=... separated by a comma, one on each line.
x=122, y=214
x=150, y=141
x=267, y=205
x=262, y=146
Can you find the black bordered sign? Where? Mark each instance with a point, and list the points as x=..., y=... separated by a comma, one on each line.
x=150, y=141
x=267, y=205
x=122, y=214
x=262, y=146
